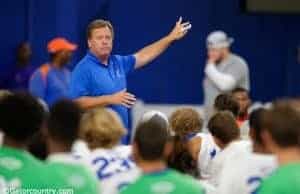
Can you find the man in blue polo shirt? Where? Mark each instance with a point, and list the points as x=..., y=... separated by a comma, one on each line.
x=99, y=79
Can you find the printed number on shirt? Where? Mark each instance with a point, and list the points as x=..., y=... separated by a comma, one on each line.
x=254, y=183
x=107, y=167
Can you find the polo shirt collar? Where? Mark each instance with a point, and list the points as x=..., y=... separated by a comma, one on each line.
x=96, y=60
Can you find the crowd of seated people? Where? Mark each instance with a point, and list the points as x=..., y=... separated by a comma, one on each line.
x=68, y=150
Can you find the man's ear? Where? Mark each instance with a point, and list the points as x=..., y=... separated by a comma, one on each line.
x=135, y=151
x=193, y=147
x=45, y=133
x=268, y=141
x=89, y=43
x=168, y=149
x=219, y=143
x=44, y=130
x=250, y=101
x=252, y=134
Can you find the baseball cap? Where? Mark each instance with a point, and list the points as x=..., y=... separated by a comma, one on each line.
x=218, y=39
x=149, y=115
x=59, y=43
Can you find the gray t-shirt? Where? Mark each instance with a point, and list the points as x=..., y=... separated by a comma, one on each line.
x=234, y=66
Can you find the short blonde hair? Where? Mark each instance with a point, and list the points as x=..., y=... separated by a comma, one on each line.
x=102, y=128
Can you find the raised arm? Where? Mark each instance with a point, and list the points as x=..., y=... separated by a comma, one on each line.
x=149, y=53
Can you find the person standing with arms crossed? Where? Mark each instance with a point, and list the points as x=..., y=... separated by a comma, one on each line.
x=99, y=79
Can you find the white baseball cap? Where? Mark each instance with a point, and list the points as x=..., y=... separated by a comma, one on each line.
x=150, y=114
x=218, y=39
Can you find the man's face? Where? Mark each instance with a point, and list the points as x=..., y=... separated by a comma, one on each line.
x=27, y=51
x=101, y=42
x=216, y=54
x=24, y=53
x=244, y=101
x=64, y=56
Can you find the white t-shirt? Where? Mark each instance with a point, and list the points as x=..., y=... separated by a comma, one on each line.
x=208, y=152
x=63, y=157
x=80, y=149
x=243, y=174
x=234, y=150
x=113, y=167
x=244, y=129
x=209, y=189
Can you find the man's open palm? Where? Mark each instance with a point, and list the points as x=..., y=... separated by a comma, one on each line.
x=180, y=29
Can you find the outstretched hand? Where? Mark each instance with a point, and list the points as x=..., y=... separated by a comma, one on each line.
x=150, y=52
x=123, y=98
x=180, y=30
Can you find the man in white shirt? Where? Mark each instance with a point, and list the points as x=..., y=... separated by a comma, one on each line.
x=226, y=135
x=113, y=163
x=208, y=152
x=194, y=150
x=224, y=70
x=243, y=174
x=102, y=130
x=242, y=96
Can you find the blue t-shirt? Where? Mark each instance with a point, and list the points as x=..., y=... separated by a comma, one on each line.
x=92, y=78
x=50, y=83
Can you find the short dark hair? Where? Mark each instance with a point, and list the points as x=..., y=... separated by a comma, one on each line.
x=239, y=89
x=223, y=126
x=64, y=120
x=21, y=116
x=99, y=23
x=256, y=123
x=283, y=123
x=225, y=102
x=151, y=137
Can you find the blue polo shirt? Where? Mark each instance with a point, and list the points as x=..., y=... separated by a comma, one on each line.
x=50, y=83
x=92, y=78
